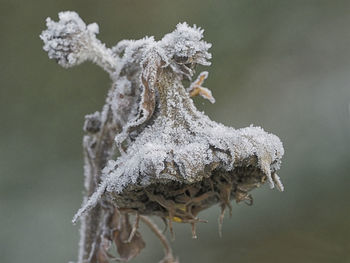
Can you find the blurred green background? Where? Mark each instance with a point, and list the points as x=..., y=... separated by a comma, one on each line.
x=283, y=65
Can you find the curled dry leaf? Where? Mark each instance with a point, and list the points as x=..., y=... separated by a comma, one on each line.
x=127, y=249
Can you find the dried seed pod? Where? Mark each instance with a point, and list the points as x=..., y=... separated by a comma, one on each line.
x=177, y=161
x=182, y=162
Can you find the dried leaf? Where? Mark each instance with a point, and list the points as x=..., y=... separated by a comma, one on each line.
x=150, y=66
x=127, y=250
x=102, y=256
x=197, y=89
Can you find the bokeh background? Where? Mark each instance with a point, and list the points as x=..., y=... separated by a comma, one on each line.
x=282, y=65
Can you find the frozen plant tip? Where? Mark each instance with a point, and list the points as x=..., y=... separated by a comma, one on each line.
x=71, y=42
x=174, y=161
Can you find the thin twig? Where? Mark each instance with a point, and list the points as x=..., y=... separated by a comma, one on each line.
x=167, y=249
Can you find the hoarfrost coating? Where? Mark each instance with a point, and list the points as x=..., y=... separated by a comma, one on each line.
x=160, y=134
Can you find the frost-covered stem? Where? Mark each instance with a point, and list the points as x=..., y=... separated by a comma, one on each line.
x=89, y=235
x=98, y=148
x=103, y=56
x=173, y=96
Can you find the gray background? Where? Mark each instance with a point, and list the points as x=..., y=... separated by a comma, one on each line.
x=283, y=65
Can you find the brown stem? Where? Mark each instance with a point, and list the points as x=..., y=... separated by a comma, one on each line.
x=167, y=249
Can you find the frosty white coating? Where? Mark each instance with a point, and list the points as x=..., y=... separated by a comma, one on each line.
x=161, y=136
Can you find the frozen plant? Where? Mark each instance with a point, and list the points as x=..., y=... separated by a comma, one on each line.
x=173, y=160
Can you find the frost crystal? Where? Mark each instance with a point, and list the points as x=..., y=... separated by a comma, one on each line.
x=174, y=161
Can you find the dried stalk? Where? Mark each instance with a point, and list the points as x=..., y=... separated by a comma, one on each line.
x=98, y=149
x=169, y=257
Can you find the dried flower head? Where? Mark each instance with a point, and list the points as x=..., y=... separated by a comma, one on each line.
x=174, y=161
